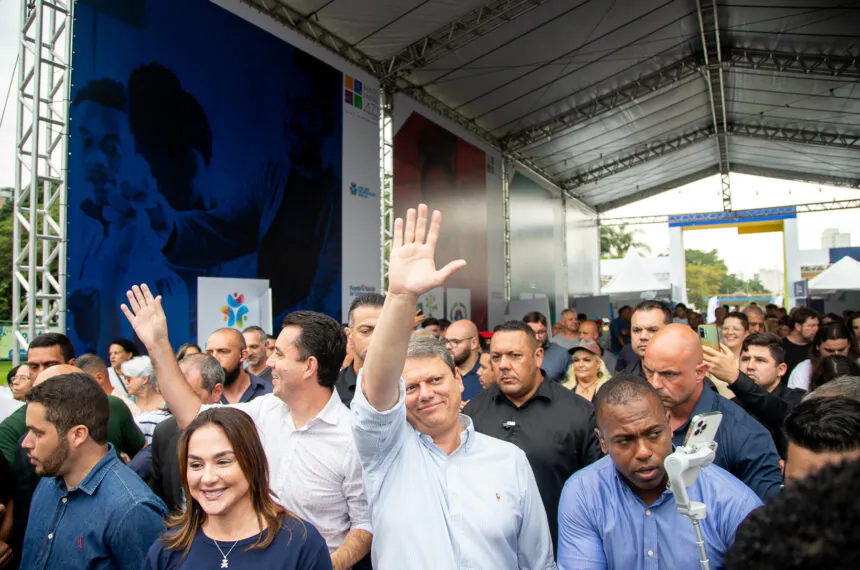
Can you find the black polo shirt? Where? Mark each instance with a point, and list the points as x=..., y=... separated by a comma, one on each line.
x=555, y=428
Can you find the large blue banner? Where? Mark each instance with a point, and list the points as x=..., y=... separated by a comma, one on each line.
x=200, y=146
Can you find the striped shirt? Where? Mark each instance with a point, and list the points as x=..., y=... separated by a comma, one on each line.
x=147, y=421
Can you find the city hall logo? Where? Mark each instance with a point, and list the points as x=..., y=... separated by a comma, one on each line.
x=360, y=191
x=235, y=311
x=458, y=312
x=359, y=290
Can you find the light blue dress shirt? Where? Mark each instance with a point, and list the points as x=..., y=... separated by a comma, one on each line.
x=478, y=508
x=602, y=523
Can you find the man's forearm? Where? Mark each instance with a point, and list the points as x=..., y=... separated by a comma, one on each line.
x=355, y=546
x=180, y=398
x=387, y=352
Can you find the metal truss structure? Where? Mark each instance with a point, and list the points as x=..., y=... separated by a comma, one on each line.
x=39, y=227
x=386, y=182
x=634, y=156
x=632, y=92
x=641, y=154
x=667, y=77
x=826, y=65
x=709, y=26
x=456, y=35
x=737, y=215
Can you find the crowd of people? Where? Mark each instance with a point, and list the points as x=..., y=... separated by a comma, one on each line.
x=396, y=441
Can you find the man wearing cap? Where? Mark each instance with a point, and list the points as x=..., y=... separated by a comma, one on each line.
x=587, y=373
x=554, y=426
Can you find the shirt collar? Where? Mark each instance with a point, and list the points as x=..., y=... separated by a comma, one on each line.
x=330, y=414
x=626, y=490
x=544, y=391
x=93, y=479
x=467, y=436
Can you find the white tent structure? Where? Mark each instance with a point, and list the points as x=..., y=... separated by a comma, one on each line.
x=634, y=276
x=844, y=275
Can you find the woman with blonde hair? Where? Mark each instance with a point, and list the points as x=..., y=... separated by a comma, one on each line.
x=587, y=373
x=231, y=519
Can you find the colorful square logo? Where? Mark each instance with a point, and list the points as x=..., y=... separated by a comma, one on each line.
x=352, y=92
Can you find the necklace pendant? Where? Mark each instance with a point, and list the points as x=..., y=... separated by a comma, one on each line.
x=225, y=563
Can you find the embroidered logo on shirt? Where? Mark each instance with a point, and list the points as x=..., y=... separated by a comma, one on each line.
x=498, y=498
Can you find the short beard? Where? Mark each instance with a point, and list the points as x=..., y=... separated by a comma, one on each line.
x=51, y=466
x=230, y=377
x=459, y=360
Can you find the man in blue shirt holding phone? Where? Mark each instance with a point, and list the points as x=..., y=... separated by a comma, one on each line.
x=619, y=513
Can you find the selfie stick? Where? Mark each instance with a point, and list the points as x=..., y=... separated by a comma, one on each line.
x=683, y=467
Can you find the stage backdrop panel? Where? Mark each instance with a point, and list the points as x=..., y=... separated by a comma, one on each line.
x=583, y=251
x=193, y=156
x=537, y=253
x=438, y=164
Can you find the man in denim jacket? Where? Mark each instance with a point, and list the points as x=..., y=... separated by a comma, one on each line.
x=89, y=510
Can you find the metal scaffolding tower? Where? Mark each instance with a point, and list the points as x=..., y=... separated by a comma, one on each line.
x=39, y=228
x=386, y=182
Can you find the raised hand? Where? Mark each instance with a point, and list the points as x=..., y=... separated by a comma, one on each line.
x=146, y=315
x=411, y=268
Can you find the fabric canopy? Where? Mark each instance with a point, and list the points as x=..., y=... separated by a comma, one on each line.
x=634, y=276
x=844, y=275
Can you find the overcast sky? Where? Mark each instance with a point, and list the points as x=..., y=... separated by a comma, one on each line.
x=743, y=254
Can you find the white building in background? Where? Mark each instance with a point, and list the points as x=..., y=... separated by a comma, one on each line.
x=773, y=280
x=832, y=237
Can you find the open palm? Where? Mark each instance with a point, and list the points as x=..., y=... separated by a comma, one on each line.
x=146, y=315
x=411, y=268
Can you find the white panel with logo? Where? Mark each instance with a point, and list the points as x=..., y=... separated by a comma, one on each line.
x=459, y=304
x=432, y=303
x=232, y=303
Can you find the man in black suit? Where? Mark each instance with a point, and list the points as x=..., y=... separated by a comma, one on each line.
x=206, y=377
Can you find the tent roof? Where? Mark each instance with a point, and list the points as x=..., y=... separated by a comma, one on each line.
x=618, y=100
x=633, y=276
x=844, y=275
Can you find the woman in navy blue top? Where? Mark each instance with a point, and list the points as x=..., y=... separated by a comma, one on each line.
x=231, y=519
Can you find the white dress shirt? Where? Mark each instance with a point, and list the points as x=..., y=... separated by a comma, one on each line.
x=314, y=470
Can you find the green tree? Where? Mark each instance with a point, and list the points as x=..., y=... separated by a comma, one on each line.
x=6, y=222
x=708, y=275
x=6, y=261
x=615, y=241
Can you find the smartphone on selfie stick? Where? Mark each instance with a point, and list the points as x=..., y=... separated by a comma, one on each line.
x=683, y=467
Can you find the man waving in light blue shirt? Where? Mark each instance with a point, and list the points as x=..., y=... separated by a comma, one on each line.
x=618, y=512
x=442, y=496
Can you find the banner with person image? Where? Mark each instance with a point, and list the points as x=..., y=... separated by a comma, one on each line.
x=205, y=145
